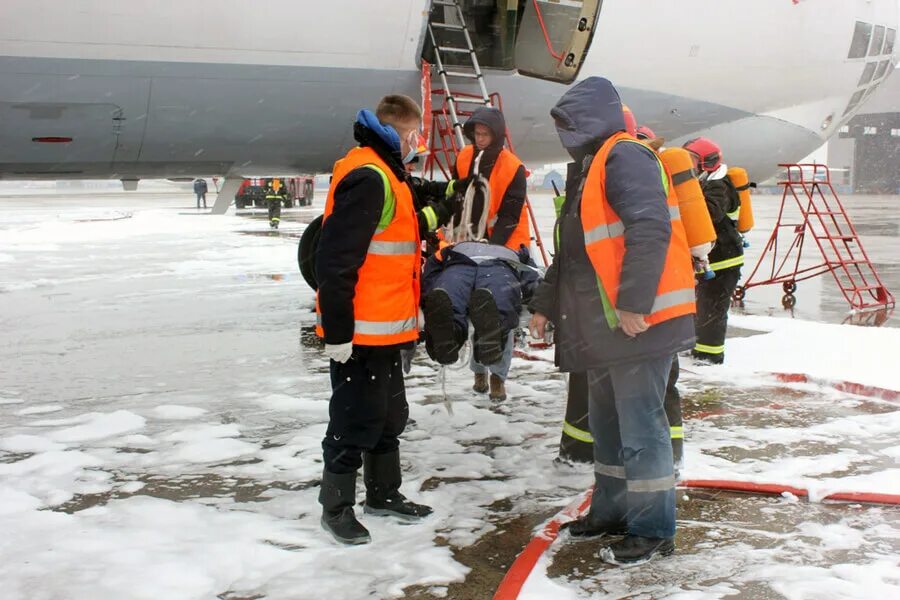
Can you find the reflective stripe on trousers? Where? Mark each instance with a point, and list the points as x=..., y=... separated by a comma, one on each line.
x=709, y=349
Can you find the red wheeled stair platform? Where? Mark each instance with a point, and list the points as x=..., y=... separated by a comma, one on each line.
x=820, y=215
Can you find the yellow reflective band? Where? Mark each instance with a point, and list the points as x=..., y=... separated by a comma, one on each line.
x=728, y=263
x=735, y=214
x=430, y=218
x=676, y=433
x=710, y=349
x=579, y=434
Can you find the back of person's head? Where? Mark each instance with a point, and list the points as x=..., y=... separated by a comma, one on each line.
x=707, y=154
x=396, y=109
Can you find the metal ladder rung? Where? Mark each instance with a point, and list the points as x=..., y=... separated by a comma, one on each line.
x=461, y=74
x=448, y=26
x=843, y=238
x=455, y=50
x=449, y=3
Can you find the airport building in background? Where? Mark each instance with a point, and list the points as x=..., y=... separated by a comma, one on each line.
x=865, y=155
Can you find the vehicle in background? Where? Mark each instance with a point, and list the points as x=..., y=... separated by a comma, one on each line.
x=252, y=193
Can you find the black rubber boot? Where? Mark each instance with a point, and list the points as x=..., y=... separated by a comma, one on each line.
x=381, y=473
x=442, y=340
x=585, y=527
x=634, y=549
x=337, y=497
x=488, y=326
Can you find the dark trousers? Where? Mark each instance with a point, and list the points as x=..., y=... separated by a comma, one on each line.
x=201, y=196
x=368, y=409
x=577, y=444
x=459, y=280
x=274, y=209
x=711, y=321
x=633, y=470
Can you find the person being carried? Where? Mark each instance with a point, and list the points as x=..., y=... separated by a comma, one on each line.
x=478, y=275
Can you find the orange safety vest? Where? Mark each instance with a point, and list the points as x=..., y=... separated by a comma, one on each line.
x=386, y=298
x=604, y=240
x=502, y=175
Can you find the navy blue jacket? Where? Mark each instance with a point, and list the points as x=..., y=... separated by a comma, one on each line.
x=586, y=116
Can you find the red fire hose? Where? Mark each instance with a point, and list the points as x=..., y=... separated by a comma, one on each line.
x=521, y=568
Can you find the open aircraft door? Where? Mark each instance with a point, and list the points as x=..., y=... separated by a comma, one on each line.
x=554, y=37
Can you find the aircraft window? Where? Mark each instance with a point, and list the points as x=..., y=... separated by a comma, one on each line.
x=895, y=132
x=882, y=69
x=877, y=41
x=861, y=36
x=889, y=39
x=854, y=101
x=870, y=131
x=867, y=74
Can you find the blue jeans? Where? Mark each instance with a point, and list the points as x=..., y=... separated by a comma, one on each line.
x=633, y=468
x=501, y=369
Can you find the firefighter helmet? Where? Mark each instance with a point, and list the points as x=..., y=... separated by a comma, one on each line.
x=706, y=153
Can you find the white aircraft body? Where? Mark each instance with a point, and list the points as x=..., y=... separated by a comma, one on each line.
x=167, y=88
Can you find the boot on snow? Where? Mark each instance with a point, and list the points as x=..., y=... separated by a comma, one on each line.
x=635, y=549
x=586, y=527
x=481, y=383
x=337, y=497
x=498, y=389
x=381, y=473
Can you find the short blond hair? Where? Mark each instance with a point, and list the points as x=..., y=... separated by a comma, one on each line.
x=395, y=109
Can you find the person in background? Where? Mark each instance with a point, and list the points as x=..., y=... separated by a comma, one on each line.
x=727, y=256
x=200, y=189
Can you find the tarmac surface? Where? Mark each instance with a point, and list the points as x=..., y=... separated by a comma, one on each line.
x=101, y=341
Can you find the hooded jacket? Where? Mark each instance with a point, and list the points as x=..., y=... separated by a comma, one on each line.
x=345, y=237
x=514, y=199
x=585, y=117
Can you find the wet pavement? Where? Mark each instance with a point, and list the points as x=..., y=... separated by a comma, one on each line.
x=97, y=329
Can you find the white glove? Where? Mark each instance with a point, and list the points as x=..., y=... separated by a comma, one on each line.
x=339, y=352
x=701, y=251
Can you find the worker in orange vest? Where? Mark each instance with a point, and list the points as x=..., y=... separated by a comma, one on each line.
x=480, y=277
x=368, y=266
x=621, y=294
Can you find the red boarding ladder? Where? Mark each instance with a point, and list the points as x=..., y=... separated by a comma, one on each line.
x=823, y=218
x=446, y=136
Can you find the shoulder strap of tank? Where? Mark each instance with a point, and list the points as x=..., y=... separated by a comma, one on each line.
x=387, y=209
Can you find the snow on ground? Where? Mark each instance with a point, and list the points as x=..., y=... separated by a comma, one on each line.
x=162, y=405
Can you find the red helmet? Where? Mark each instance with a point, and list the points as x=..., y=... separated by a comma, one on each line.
x=706, y=153
x=645, y=133
x=630, y=121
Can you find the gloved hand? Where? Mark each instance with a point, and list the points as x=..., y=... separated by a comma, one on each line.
x=339, y=352
x=447, y=207
x=458, y=186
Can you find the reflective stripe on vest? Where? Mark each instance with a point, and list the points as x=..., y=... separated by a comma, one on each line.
x=380, y=327
x=604, y=237
x=502, y=175
x=386, y=296
x=610, y=230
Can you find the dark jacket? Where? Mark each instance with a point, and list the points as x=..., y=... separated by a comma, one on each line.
x=200, y=186
x=587, y=116
x=345, y=237
x=513, y=201
x=722, y=198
